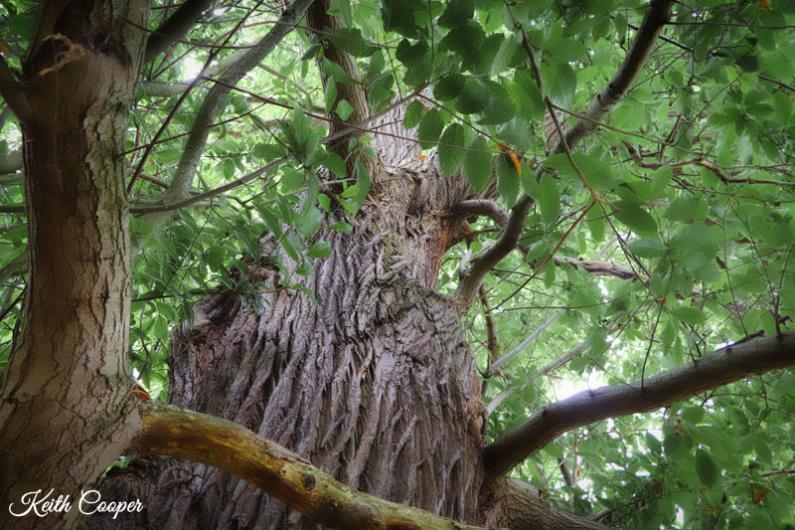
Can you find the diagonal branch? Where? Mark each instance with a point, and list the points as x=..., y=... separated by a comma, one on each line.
x=604, y=101
x=279, y=472
x=175, y=26
x=649, y=30
x=719, y=368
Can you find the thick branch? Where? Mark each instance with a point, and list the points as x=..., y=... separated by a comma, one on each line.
x=279, y=472
x=475, y=207
x=485, y=261
x=716, y=369
x=175, y=26
x=518, y=506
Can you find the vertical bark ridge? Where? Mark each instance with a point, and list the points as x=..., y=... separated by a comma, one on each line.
x=368, y=378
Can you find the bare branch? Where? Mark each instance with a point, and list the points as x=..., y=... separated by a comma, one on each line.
x=210, y=194
x=175, y=26
x=13, y=93
x=716, y=369
x=10, y=162
x=491, y=256
x=213, y=102
x=475, y=207
x=602, y=268
x=530, y=339
x=651, y=27
x=279, y=472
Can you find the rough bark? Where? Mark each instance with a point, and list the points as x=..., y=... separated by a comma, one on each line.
x=517, y=505
x=369, y=381
x=63, y=417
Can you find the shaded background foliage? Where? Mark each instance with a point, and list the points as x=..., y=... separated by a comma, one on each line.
x=679, y=240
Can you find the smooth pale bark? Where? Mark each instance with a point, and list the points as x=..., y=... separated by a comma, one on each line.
x=63, y=418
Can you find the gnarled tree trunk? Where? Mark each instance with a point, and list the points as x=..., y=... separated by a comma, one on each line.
x=63, y=418
x=369, y=379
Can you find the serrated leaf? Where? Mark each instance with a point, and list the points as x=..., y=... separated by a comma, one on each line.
x=457, y=12
x=449, y=87
x=466, y=41
x=705, y=468
x=548, y=199
x=473, y=97
x=507, y=180
x=413, y=114
x=477, y=164
x=635, y=217
x=689, y=315
x=320, y=249
x=351, y=41
x=410, y=54
x=430, y=128
x=344, y=109
x=451, y=149
x=647, y=247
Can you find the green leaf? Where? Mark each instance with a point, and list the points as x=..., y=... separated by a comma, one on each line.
x=507, y=180
x=647, y=247
x=689, y=315
x=351, y=41
x=448, y=87
x=413, y=114
x=526, y=94
x=321, y=249
x=683, y=209
x=548, y=199
x=466, y=41
x=344, y=109
x=473, y=97
x=634, y=217
x=451, y=149
x=705, y=468
x=457, y=12
x=477, y=164
x=410, y=54
x=430, y=128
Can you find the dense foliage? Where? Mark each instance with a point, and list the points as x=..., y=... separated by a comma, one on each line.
x=668, y=234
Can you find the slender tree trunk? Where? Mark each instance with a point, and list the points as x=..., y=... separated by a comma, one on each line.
x=369, y=380
x=62, y=418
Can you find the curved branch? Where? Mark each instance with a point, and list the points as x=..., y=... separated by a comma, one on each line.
x=475, y=207
x=285, y=475
x=175, y=26
x=716, y=369
x=486, y=260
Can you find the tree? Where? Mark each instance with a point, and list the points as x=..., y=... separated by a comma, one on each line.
x=344, y=211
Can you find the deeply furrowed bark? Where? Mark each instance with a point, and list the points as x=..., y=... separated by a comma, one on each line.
x=369, y=381
x=62, y=417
